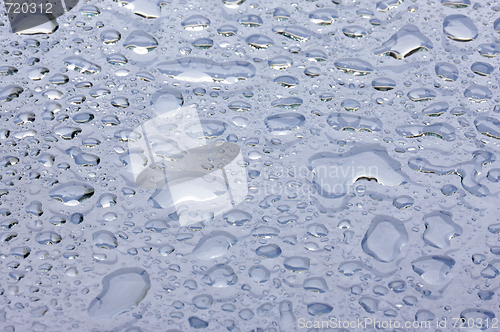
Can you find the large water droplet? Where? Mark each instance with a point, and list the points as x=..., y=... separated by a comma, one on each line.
x=384, y=239
x=460, y=28
x=113, y=300
x=407, y=41
x=433, y=269
x=213, y=245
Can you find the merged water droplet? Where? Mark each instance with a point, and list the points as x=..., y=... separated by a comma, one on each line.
x=72, y=193
x=332, y=179
x=284, y=123
x=446, y=71
x=293, y=32
x=384, y=239
x=354, y=66
x=113, y=301
x=440, y=229
x=351, y=122
x=206, y=70
x=407, y=41
x=213, y=245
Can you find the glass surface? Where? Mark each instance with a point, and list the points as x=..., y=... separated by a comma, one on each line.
x=249, y=165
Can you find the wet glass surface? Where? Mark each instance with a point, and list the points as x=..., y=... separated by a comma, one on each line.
x=250, y=165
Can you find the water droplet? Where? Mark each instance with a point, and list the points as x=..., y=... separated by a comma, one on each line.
x=407, y=41
x=113, y=301
x=384, y=239
x=459, y=28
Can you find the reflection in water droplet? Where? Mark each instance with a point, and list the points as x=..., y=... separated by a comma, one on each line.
x=142, y=8
x=369, y=304
x=10, y=93
x=259, y=42
x=8, y=70
x=89, y=10
x=105, y=240
x=48, y=237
